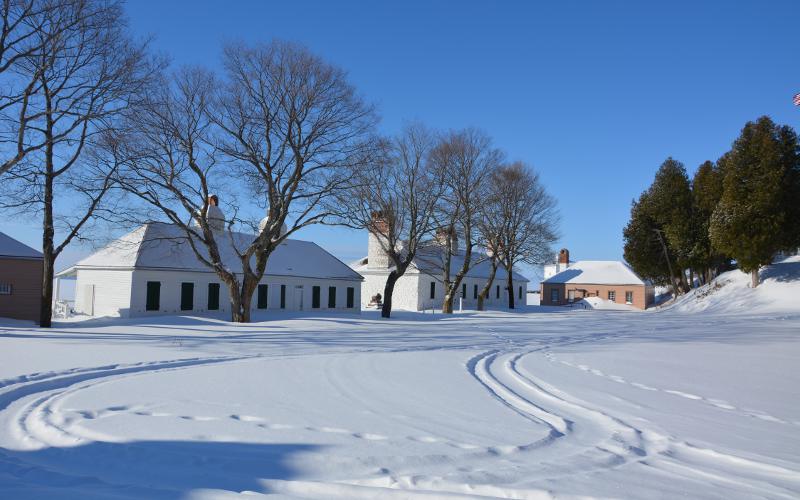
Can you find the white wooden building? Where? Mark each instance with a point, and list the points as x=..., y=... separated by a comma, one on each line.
x=422, y=287
x=153, y=270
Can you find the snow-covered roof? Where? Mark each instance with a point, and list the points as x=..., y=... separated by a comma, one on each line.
x=165, y=246
x=597, y=272
x=11, y=248
x=430, y=260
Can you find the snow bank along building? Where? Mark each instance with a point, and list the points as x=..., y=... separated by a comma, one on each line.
x=607, y=279
x=153, y=270
x=421, y=287
x=21, y=269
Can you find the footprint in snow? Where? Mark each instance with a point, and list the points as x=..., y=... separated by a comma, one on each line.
x=683, y=394
x=368, y=436
x=246, y=418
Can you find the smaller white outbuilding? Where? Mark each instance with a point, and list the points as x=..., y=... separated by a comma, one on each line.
x=153, y=270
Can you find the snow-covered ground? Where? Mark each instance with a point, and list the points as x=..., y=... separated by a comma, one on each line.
x=699, y=399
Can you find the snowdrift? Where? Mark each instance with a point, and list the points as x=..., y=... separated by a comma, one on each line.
x=730, y=292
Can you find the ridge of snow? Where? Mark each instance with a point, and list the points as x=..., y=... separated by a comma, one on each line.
x=779, y=291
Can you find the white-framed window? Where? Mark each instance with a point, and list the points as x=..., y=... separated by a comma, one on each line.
x=5, y=288
x=629, y=297
x=570, y=295
x=612, y=295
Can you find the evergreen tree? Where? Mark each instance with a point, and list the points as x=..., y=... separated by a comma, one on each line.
x=643, y=250
x=706, y=193
x=671, y=198
x=757, y=213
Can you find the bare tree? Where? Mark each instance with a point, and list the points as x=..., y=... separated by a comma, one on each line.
x=466, y=158
x=490, y=227
x=528, y=220
x=394, y=199
x=27, y=29
x=284, y=121
x=83, y=72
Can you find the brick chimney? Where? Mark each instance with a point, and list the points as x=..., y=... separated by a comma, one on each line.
x=563, y=256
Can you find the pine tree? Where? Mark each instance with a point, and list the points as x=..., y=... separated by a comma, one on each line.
x=757, y=213
x=706, y=193
x=643, y=250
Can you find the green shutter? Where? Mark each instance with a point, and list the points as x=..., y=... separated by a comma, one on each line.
x=315, y=297
x=187, y=296
x=213, y=296
x=153, y=302
x=331, y=297
x=283, y=296
x=263, y=294
x=351, y=295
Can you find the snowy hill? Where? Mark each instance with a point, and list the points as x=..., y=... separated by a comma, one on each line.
x=730, y=292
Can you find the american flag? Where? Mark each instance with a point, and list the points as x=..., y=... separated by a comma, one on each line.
x=797, y=99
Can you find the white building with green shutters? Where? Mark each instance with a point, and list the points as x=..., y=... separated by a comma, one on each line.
x=153, y=270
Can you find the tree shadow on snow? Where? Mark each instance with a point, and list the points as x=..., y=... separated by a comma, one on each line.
x=781, y=271
x=144, y=469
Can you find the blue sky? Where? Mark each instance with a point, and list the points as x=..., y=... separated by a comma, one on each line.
x=594, y=95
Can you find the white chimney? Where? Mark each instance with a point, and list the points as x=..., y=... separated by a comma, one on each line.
x=441, y=238
x=377, y=258
x=265, y=222
x=214, y=215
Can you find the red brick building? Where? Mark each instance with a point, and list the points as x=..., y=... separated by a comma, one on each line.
x=21, y=269
x=609, y=280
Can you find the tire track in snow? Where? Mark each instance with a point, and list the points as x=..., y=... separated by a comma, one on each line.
x=584, y=438
x=657, y=449
x=35, y=424
x=716, y=403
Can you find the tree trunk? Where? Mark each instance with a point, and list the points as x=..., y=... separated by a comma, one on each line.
x=48, y=233
x=485, y=291
x=449, y=296
x=754, y=277
x=676, y=281
x=510, y=284
x=46, y=307
x=388, y=289
x=240, y=310
x=236, y=305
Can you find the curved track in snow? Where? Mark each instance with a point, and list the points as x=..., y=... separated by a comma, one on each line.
x=27, y=402
x=585, y=437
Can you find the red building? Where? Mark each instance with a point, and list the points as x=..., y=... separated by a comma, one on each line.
x=21, y=269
